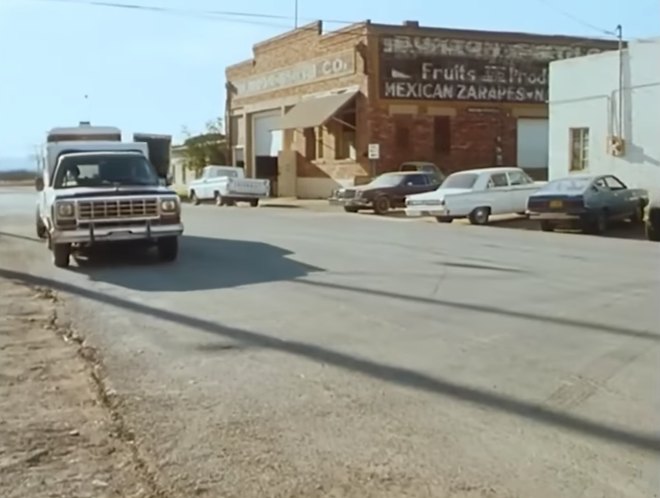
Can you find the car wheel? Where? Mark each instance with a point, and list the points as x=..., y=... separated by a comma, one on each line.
x=547, y=226
x=381, y=205
x=443, y=219
x=194, y=199
x=61, y=255
x=598, y=225
x=168, y=248
x=637, y=217
x=480, y=216
x=350, y=209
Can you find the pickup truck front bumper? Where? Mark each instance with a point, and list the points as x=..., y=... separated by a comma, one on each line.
x=92, y=234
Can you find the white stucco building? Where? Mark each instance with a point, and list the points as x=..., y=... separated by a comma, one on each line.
x=584, y=115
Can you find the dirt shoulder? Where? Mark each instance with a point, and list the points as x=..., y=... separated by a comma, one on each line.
x=59, y=435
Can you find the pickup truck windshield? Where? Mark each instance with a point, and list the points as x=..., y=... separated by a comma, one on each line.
x=100, y=170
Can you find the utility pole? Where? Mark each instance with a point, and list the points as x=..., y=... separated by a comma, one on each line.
x=295, y=14
x=619, y=32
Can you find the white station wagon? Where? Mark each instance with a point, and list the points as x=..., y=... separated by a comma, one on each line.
x=475, y=194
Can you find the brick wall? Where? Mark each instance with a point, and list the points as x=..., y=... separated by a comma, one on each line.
x=473, y=138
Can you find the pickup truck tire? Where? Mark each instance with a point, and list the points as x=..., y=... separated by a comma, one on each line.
x=168, y=248
x=479, y=216
x=381, y=205
x=40, y=227
x=350, y=209
x=61, y=255
x=219, y=201
x=194, y=199
x=444, y=219
x=254, y=203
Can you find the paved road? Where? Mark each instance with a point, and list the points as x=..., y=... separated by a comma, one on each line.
x=291, y=353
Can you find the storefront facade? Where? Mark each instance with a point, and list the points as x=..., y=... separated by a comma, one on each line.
x=304, y=110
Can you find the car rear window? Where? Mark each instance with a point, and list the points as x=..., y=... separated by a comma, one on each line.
x=460, y=180
x=566, y=185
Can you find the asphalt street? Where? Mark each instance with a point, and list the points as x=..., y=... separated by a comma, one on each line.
x=298, y=353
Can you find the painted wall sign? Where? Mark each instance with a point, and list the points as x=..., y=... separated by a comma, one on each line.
x=333, y=66
x=474, y=80
x=430, y=46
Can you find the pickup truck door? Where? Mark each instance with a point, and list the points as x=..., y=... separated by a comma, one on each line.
x=205, y=184
x=620, y=203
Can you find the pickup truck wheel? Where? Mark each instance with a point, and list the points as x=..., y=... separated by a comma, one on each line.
x=254, y=203
x=444, y=219
x=194, y=199
x=168, y=248
x=41, y=228
x=219, y=201
x=381, y=205
x=547, y=226
x=61, y=255
x=479, y=216
x=652, y=233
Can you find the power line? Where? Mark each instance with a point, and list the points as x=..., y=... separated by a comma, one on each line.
x=233, y=16
x=577, y=19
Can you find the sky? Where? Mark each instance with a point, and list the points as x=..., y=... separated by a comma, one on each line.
x=160, y=71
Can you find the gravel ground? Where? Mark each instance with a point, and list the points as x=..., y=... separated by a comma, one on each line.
x=59, y=435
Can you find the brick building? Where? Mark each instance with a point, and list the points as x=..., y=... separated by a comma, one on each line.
x=305, y=108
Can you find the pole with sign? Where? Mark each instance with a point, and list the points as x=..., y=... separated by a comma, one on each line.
x=374, y=156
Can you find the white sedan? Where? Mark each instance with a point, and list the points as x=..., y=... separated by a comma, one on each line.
x=475, y=194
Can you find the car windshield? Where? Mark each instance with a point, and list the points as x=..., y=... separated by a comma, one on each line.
x=387, y=180
x=568, y=185
x=100, y=170
x=460, y=180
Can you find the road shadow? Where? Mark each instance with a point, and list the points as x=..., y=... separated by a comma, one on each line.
x=617, y=230
x=21, y=237
x=400, y=376
x=204, y=263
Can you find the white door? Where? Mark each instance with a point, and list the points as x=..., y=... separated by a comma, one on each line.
x=499, y=194
x=521, y=188
x=533, y=140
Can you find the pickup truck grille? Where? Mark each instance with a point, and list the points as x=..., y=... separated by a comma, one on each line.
x=117, y=209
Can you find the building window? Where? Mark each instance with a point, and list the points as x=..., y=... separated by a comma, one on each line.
x=579, y=149
x=442, y=134
x=320, y=142
x=402, y=135
x=345, y=140
x=310, y=143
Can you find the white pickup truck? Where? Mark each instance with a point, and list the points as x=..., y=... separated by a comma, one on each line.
x=226, y=185
x=94, y=189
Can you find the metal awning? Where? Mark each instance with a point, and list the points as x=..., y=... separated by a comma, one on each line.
x=315, y=112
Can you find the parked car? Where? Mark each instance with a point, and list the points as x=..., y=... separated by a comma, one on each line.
x=385, y=192
x=424, y=167
x=475, y=194
x=589, y=202
x=226, y=185
x=652, y=220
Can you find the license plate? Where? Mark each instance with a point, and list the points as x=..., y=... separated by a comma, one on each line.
x=556, y=204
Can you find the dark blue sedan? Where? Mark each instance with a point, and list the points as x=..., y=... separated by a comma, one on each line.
x=589, y=202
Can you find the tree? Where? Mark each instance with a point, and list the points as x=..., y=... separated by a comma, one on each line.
x=206, y=148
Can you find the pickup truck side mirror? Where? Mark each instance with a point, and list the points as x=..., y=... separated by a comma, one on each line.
x=39, y=184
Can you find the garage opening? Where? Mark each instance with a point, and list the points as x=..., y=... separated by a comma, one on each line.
x=268, y=143
x=532, y=149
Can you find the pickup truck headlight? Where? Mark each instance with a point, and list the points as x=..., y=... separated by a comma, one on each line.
x=168, y=206
x=65, y=210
